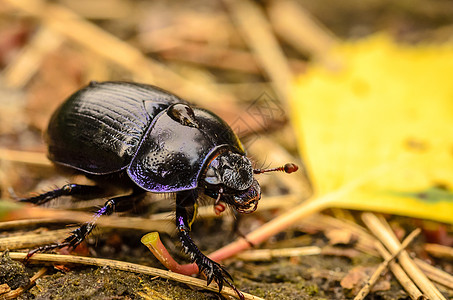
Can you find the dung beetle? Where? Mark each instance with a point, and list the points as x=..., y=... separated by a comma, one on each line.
x=150, y=140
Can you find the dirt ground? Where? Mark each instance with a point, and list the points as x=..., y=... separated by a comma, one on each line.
x=308, y=277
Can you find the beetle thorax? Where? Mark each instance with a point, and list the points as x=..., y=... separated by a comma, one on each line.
x=230, y=169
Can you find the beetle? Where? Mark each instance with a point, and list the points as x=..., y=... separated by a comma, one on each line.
x=147, y=139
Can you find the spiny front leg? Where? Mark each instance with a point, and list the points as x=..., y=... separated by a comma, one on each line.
x=185, y=202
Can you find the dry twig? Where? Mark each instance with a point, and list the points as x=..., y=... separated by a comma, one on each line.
x=400, y=274
x=31, y=240
x=388, y=238
x=269, y=254
x=27, y=157
x=383, y=266
x=440, y=251
x=18, y=211
x=24, y=223
x=435, y=274
x=129, y=267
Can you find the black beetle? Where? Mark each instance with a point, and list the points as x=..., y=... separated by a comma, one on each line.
x=152, y=141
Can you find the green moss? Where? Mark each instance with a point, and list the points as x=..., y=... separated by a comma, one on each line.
x=312, y=289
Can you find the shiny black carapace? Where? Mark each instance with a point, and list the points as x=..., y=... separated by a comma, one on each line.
x=152, y=141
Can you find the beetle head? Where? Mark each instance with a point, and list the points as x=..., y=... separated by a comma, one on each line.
x=232, y=170
x=231, y=175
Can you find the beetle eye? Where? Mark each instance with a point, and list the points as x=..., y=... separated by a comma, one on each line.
x=212, y=177
x=244, y=173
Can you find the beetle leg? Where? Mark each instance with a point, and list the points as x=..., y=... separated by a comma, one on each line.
x=194, y=214
x=185, y=200
x=70, y=189
x=77, y=236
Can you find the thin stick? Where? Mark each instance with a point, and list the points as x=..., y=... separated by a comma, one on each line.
x=28, y=157
x=129, y=267
x=33, y=239
x=400, y=274
x=383, y=266
x=24, y=223
x=439, y=251
x=389, y=239
x=435, y=274
x=269, y=254
x=18, y=211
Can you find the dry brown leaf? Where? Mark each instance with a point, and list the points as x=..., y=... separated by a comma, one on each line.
x=357, y=276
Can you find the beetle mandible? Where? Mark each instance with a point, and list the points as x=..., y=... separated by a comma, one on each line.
x=150, y=140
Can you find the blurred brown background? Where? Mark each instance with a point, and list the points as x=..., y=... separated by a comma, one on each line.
x=222, y=55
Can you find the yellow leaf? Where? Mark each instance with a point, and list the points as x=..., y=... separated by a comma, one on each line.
x=387, y=104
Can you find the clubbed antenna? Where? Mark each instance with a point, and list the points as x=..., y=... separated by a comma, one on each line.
x=288, y=168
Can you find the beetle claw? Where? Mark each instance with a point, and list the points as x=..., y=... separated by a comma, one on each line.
x=215, y=272
x=220, y=284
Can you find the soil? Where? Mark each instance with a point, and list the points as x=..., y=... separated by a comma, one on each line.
x=308, y=277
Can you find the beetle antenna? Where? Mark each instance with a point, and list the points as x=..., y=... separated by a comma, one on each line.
x=288, y=168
